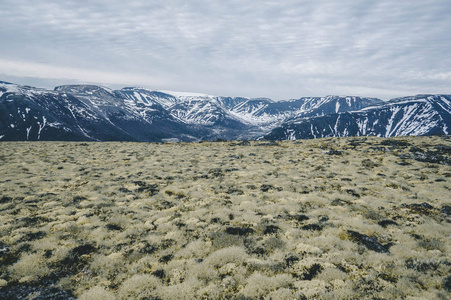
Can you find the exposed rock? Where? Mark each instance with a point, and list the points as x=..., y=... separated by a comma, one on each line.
x=340, y=202
x=271, y=229
x=300, y=218
x=166, y=258
x=159, y=273
x=369, y=164
x=447, y=283
x=242, y=231
x=20, y=292
x=75, y=260
x=125, y=190
x=334, y=152
x=353, y=193
x=113, y=227
x=313, y=227
x=3, y=249
x=31, y=236
x=415, y=149
x=357, y=142
x=166, y=243
x=422, y=265
x=291, y=259
x=446, y=209
x=312, y=272
x=369, y=242
x=148, y=248
x=269, y=143
x=216, y=172
x=267, y=187
x=5, y=199
x=388, y=277
x=432, y=157
x=443, y=149
x=323, y=219
x=144, y=187
x=395, y=143
x=386, y=223
x=7, y=257
x=423, y=208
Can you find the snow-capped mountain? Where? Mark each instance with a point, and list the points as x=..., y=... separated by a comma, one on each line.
x=269, y=114
x=94, y=113
x=417, y=115
x=83, y=112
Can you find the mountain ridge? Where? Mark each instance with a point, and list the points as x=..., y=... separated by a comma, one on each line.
x=412, y=115
x=96, y=113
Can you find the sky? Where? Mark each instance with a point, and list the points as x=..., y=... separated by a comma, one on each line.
x=282, y=49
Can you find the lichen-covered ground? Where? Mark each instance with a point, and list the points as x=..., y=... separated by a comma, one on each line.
x=350, y=218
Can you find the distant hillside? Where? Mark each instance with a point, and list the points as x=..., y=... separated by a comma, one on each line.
x=95, y=113
x=418, y=115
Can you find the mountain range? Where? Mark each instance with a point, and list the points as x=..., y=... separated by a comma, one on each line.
x=96, y=113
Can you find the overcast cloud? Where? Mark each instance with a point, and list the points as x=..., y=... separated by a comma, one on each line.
x=277, y=49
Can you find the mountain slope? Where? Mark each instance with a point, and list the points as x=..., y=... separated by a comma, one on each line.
x=207, y=115
x=269, y=114
x=418, y=115
x=94, y=113
x=82, y=113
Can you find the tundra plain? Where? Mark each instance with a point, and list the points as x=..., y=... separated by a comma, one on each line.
x=337, y=218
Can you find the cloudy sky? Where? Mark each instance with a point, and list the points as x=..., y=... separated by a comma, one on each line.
x=255, y=48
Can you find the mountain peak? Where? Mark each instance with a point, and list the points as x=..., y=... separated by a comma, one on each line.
x=92, y=112
x=263, y=99
x=82, y=88
x=185, y=94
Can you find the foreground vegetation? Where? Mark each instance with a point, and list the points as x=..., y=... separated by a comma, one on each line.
x=350, y=218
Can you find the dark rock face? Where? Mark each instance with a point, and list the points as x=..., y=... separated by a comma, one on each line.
x=369, y=242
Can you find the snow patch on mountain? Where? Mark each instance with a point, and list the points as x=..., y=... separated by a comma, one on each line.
x=186, y=95
x=88, y=112
x=418, y=115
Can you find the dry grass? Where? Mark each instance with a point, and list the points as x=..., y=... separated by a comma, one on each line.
x=352, y=218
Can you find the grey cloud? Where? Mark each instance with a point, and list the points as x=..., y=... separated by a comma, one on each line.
x=280, y=49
